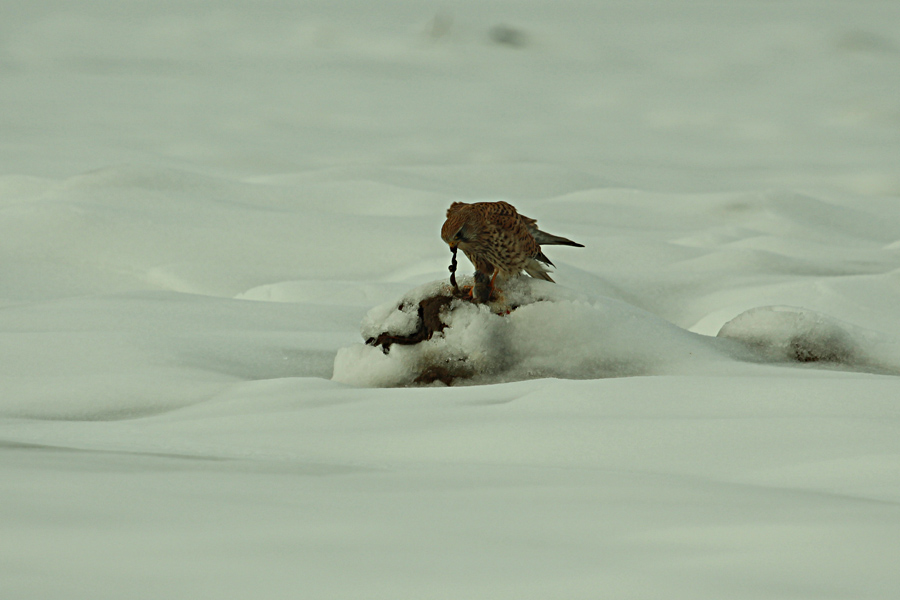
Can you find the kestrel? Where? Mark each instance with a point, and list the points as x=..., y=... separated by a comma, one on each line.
x=499, y=241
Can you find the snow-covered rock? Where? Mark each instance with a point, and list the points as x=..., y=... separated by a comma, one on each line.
x=539, y=329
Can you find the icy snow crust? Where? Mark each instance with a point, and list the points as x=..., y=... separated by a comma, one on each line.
x=200, y=203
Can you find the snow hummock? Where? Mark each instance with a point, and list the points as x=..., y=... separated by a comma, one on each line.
x=551, y=332
x=539, y=329
x=790, y=334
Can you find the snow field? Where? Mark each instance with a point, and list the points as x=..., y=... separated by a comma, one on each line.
x=202, y=206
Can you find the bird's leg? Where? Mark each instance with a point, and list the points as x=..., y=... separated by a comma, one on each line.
x=481, y=292
x=487, y=290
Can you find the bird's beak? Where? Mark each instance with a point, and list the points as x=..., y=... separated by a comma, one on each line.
x=453, y=246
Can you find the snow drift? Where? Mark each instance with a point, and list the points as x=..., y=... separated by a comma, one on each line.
x=540, y=329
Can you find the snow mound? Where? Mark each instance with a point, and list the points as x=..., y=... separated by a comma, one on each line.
x=539, y=330
x=786, y=334
x=536, y=330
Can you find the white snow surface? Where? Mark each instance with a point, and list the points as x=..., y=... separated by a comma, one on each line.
x=206, y=209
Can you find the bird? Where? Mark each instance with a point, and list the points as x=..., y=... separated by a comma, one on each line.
x=499, y=241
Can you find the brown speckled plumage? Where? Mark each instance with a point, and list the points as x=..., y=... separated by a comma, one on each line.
x=499, y=241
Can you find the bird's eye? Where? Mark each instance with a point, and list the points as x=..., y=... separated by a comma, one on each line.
x=458, y=236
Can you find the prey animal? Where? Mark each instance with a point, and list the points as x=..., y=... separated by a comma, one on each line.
x=499, y=241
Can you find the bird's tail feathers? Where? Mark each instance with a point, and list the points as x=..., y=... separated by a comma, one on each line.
x=548, y=239
x=538, y=271
x=543, y=258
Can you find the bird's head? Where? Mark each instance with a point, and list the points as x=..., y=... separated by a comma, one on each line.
x=458, y=228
